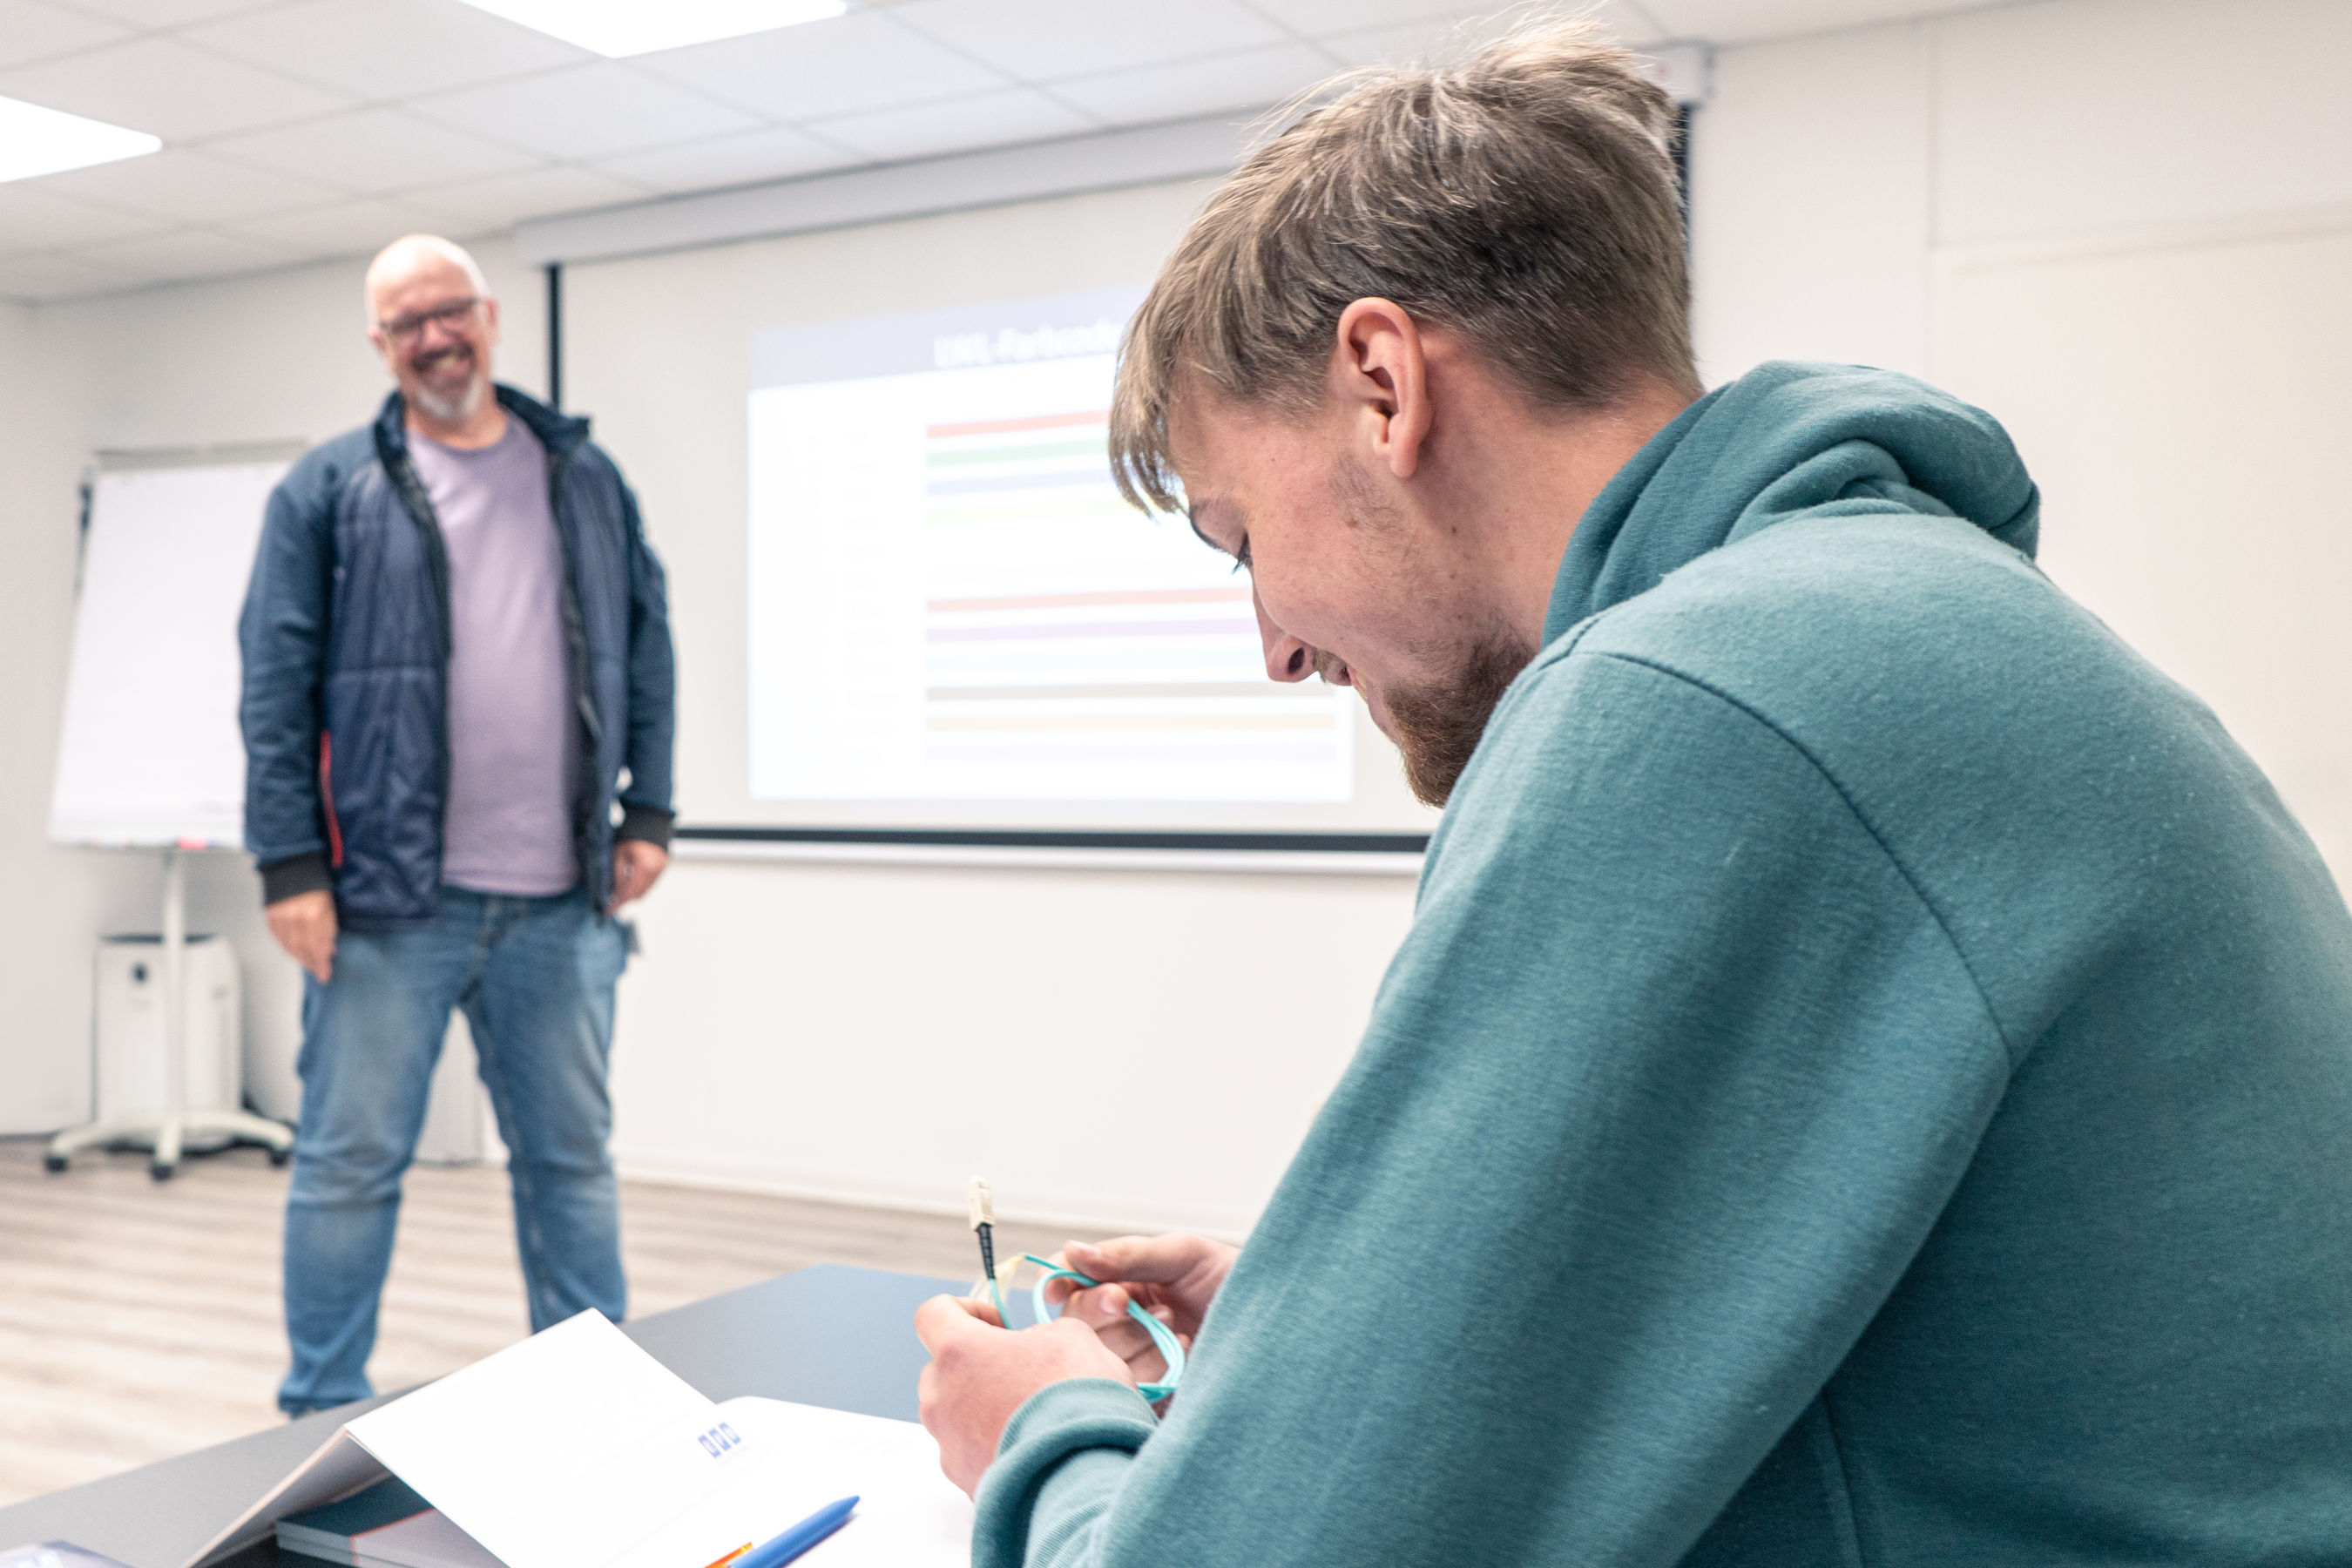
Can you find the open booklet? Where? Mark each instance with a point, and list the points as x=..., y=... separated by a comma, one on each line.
x=577, y=1450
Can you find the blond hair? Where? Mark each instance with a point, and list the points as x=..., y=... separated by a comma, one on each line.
x=1526, y=200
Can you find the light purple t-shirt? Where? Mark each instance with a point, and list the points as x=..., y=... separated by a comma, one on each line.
x=513, y=743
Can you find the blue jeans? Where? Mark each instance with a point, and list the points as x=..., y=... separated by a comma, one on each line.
x=535, y=977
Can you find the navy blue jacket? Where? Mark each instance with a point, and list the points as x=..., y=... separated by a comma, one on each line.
x=345, y=636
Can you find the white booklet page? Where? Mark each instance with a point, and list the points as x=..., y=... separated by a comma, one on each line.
x=577, y=1449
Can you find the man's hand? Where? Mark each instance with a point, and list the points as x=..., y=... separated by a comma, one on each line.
x=304, y=926
x=981, y=1372
x=636, y=865
x=1173, y=1277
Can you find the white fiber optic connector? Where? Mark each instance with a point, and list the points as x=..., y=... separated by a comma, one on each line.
x=979, y=1207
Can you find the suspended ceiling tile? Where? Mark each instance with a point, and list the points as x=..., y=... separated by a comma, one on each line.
x=166, y=13
x=345, y=228
x=956, y=125
x=586, y=112
x=166, y=88
x=1415, y=29
x=1316, y=17
x=481, y=205
x=1750, y=21
x=743, y=160
x=387, y=48
x=187, y=253
x=182, y=186
x=30, y=30
x=1245, y=81
x=1411, y=44
x=372, y=152
x=865, y=61
x=59, y=276
x=35, y=219
x=1446, y=40
x=1041, y=40
x=1634, y=23
x=162, y=12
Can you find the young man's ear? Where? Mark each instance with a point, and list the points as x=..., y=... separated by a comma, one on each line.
x=1381, y=378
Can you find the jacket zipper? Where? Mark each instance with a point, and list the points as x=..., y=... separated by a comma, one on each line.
x=411, y=490
x=584, y=794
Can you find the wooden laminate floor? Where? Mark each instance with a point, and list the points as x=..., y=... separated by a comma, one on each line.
x=139, y=1320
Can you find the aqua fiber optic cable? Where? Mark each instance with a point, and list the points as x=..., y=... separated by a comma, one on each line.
x=980, y=1208
x=1163, y=1338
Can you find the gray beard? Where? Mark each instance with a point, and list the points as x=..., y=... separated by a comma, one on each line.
x=456, y=410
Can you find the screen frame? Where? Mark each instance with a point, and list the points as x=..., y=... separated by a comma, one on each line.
x=724, y=830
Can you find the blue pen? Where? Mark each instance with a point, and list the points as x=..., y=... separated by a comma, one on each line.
x=799, y=1538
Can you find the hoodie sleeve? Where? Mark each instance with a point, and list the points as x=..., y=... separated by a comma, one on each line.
x=1668, y=1083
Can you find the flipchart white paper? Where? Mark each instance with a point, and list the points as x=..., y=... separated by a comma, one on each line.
x=149, y=752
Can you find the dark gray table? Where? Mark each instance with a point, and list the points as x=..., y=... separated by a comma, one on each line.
x=830, y=1335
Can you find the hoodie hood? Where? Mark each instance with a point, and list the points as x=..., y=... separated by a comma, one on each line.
x=1784, y=440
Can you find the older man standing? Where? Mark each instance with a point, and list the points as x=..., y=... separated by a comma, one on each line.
x=457, y=660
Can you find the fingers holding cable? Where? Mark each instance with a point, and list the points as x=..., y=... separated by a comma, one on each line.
x=1099, y=1307
x=1157, y=1358
x=1132, y=1343
x=1105, y=1311
x=1180, y=1273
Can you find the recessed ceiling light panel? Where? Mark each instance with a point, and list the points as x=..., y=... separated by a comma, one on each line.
x=37, y=141
x=618, y=28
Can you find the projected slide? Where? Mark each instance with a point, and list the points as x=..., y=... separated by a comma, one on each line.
x=950, y=601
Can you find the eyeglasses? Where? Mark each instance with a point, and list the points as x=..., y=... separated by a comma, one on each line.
x=406, y=327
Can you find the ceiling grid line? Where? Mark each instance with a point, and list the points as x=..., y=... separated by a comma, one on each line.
x=298, y=131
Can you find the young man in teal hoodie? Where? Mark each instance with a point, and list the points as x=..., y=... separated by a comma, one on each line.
x=1870, y=1077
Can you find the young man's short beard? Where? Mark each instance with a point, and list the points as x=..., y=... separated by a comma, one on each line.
x=1437, y=725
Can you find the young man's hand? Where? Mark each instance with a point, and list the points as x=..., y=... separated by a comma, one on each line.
x=304, y=926
x=636, y=865
x=1173, y=1277
x=981, y=1372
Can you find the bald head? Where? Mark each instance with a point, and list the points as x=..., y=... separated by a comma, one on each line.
x=414, y=257
x=431, y=316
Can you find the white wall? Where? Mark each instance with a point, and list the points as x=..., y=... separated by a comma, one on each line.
x=1830, y=170
x=1810, y=204
x=2108, y=221
x=1126, y=1048
x=54, y=898
x=2099, y=117
x=57, y=900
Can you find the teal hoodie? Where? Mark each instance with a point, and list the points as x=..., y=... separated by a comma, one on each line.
x=1869, y=1082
